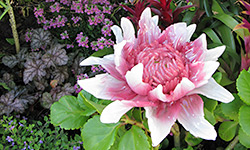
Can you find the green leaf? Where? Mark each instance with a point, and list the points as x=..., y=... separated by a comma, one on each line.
x=11, y=41
x=97, y=135
x=227, y=130
x=134, y=139
x=209, y=103
x=244, y=119
x=4, y=86
x=243, y=86
x=230, y=22
x=85, y=99
x=228, y=38
x=191, y=140
x=67, y=113
x=239, y=146
x=244, y=138
x=231, y=109
x=212, y=35
x=209, y=116
x=103, y=52
x=216, y=7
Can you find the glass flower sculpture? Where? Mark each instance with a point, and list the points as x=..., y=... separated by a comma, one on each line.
x=161, y=71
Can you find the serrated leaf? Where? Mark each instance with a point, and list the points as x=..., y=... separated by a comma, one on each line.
x=244, y=138
x=243, y=86
x=244, y=119
x=97, y=135
x=40, y=38
x=33, y=68
x=231, y=109
x=227, y=130
x=60, y=74
x=67, y=113
x=134, y=139
x=67, y=89
x=10, y=61
x=46, y=100
x=56, y=55
x=191, y=140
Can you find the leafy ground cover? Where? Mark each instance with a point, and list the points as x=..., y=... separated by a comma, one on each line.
x=43, y=107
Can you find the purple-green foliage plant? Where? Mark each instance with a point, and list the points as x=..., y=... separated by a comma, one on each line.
x=19, y=134
x=80, y=24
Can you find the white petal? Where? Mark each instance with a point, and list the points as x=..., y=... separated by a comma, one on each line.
x=160, y=123
x=104, y=86
x=155, y=19
x=97, y=61
x=215, y=53
x=120, y=62
x=214, y=91
x=203, y=40
x=191, y=117
x=180, y=90
x=134, y=80
x=191, y=28
x=118, y=33
x=128, y=29
x=114, y=111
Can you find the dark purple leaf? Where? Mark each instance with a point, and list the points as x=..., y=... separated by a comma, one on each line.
x=33, y=68
x=60, y=74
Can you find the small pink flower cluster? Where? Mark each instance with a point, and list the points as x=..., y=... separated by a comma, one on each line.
x=65, y=2
x=28, y=36
x=55, y=8
x=76, y=19
x=80, y=77
x=77, y=6
x=101, y=43
x=82, y=40
x=64, y=35
x=98, y=68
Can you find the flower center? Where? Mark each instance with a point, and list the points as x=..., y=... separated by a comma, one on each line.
x=163, y=65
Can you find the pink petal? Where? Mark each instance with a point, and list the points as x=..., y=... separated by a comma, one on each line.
x=214, y=91
x=191, y=117
x=104, y=86
x=118, y=33
x=200, y=72
x=160, y=121
x=215, y=53
x=134, y=80
x=180, y=90
x=178, y=34
x=197, y=49
x=114, y=111
x=107, y=62
x=128, y=30
x=149, y=31
x=120, y=62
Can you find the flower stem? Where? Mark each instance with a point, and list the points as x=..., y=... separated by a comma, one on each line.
x=233, y=143
x=134, y=122
x=176, y=131
x=13, y=26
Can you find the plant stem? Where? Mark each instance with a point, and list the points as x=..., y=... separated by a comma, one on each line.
x=233, y=143
x=13, y=26
x=176, y=131
x=134, y=122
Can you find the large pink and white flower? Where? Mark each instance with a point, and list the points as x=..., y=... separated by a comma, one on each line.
x=160, y=71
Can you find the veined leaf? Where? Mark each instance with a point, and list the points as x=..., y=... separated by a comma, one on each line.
x=227, y=130
x=243, y=86
x=244, y=119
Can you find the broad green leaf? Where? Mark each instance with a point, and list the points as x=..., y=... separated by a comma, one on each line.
x=212, y=35
x=97, y=135
x=227, y=130
x=11, y=41
x=216, y=8
x=239, y=146
x=209, y=103
x=90, y=104
x=243, y=86
x=67, y=113
x=228, y=38
x=244, y=138
x=134, y=139
x=230, y=22
x=103, y=52
x=225, y=80
x=244, y=118
x=231, y=109
x=217, y=77
x=191, y=140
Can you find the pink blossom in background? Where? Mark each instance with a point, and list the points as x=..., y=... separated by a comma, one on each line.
x=162, y=71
